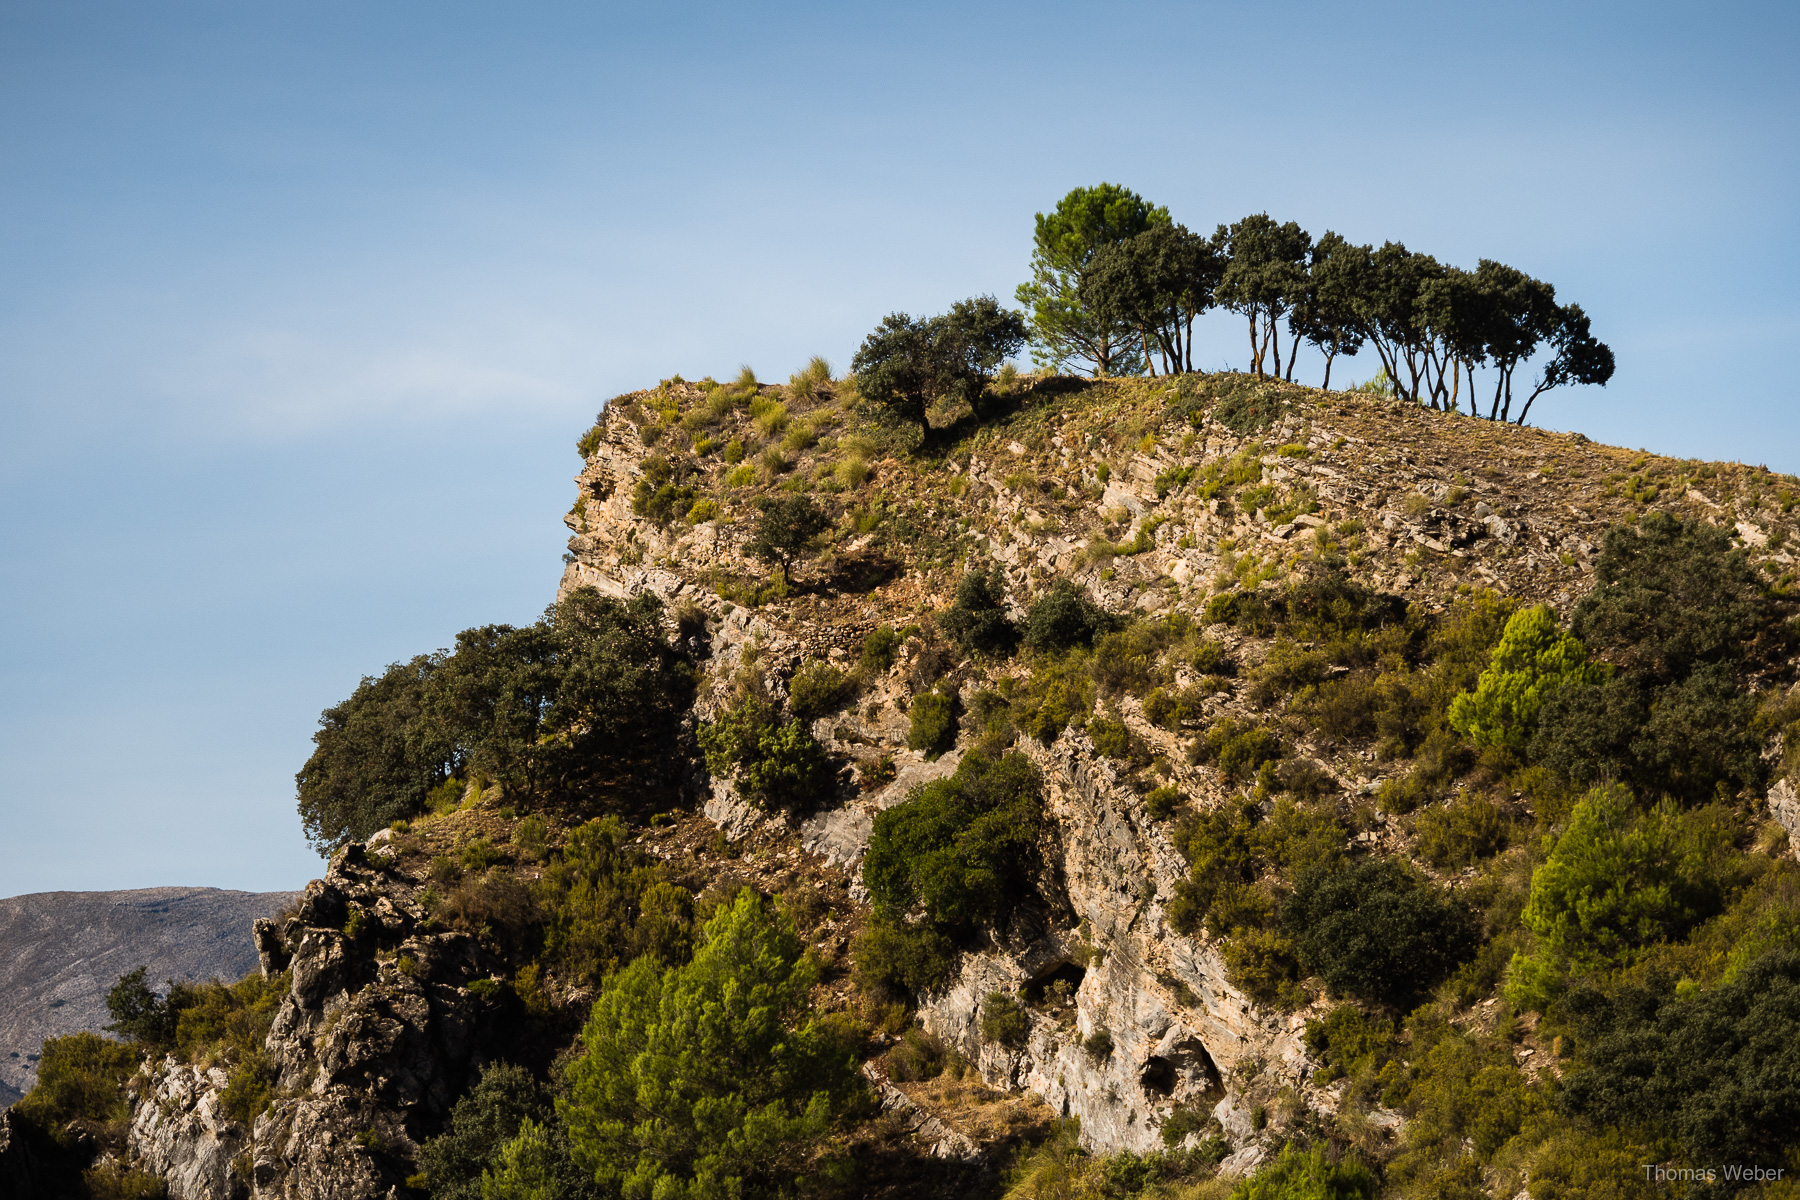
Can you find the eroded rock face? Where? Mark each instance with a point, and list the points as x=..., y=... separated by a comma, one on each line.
x=180, y=1132
x=371, y=1046
x=1178, y=1029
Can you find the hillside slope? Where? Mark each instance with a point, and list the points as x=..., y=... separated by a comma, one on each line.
x=1250, y=886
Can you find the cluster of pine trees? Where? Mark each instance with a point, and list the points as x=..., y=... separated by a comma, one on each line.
x=1116, y=285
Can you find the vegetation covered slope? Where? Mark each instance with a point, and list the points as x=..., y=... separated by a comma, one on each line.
x=1472, y=738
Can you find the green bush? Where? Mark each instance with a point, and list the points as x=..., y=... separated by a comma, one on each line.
x=1261, y=963
x=819, y=689
x=1058, y=694
x=714, y=1075
x=529, y=837
x=1160, y=803
x=660, y=494
x=1239, y=748
x=1376, y=931
x=1210, y=658
x=880, y=648
x=608, y=903
x=80, y=1077
x=1690, y=622
x=483, y=1121
x=1534, y=659
x=248, y=1090
x=933, y=723
x=1351, y=1043
x=920, y=1055
x=1713, y=1068
x=1004, y=1020
x=590, y=441
x=774, y=763
x=894, y=958
x=1461, y=832
x=1307, y=1174
x=1063, y=618
x=958, y=852
x=977, y=620
x=1463, y=1095
x=1111, y=738
x=538, y=1163
x=1125, y=659
x=1620, y=879
x=1671, y=595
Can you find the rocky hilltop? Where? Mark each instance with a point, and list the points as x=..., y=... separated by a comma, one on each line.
x=61, y=951
x=1183, y=512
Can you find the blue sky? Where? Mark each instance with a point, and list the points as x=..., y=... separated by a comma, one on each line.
x=302, y=307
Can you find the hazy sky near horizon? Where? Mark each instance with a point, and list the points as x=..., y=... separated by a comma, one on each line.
x=302, y=307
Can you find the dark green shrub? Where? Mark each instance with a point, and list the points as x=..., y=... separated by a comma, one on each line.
x=895, y=958
x=932, y=727
x=1713, y=1069
x=482, y=1122
x=1671, y=595
x=1239, y=748
x=1376, y=931
x=920, y=1055
x=1099, y=1044
x=774, y=762
x=1689, y=619
x=880, y=647
x=80, y=1078
x=1461, y=832
x=1160, y=803
x=963, y=848
x=977, y=620
x=659, y=494
x=1004, y=1020
x=819, y=689
x=1063, y=618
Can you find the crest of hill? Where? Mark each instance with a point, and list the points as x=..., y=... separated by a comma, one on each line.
x=61, y=951
x=1149, y=492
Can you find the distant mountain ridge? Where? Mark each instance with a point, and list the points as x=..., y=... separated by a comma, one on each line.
x=61, y=951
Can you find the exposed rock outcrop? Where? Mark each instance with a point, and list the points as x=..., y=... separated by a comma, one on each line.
x=370, y=1047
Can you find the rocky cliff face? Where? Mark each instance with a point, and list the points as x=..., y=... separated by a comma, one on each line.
x=371, y=1046
x=1130, y=1021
